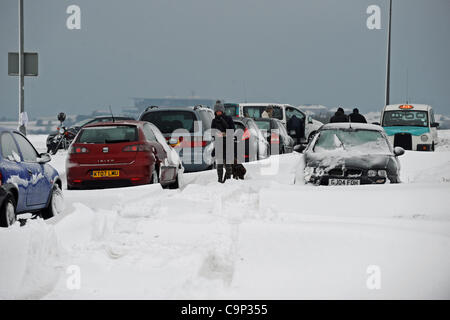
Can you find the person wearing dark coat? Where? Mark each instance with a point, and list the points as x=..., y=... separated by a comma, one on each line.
x=221, y=123
x=339, y=116
x=296, y=125
x=357, y=117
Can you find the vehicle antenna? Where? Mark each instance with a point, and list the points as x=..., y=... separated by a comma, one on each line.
x=110, y=110
x=407, y=98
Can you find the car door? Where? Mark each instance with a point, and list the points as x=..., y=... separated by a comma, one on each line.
x=13, y=170
x=39, y=186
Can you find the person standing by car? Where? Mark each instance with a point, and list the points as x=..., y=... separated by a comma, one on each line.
x=357, y=117
x=221, y=123
x=294, y=124
x=339, y=116
x=268, y=113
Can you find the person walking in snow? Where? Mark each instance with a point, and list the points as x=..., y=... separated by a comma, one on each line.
x=339, y=116
x=357, y=117
x=221, y=123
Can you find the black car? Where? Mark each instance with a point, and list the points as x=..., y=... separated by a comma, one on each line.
x=185, y=130
x=251, y=144
x=350, y=154
x=72, y=131
x=276, y=134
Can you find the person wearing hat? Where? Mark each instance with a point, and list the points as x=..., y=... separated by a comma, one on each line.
x=220, y=124
x=357, y=117
x=339, y=116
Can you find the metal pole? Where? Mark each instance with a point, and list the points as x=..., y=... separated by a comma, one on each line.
x=388, y=57
x=21, y=70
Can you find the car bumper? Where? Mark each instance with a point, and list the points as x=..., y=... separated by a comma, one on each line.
x=80, y=176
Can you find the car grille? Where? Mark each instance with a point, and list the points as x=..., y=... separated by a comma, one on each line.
x=345, y=172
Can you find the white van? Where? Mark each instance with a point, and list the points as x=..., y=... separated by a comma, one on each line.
x=410, y=126
x=282, y=112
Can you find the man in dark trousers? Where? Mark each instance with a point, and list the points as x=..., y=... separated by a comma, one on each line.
x=339, y=116
x=357, y=117
x=221, y=123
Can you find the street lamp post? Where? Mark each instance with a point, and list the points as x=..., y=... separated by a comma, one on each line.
x=22, y=127
x=388, y=57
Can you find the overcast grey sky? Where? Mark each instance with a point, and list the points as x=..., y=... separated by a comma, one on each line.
x=291, y=51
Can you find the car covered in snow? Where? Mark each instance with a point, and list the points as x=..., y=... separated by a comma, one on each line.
x=249, y=140
x=28, y=184
x=410, y=126
x=120, y=154
x=350, y=154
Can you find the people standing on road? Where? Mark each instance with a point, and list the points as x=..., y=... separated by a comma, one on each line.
x=357, y=117
x=268, y=113
x=339, y=116
x=221, y=123
x=295, y=125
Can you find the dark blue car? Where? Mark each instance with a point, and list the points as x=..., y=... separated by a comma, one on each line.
x=27, y=182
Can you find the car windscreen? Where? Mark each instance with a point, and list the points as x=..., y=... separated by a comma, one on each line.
x=169, y=121
x=257, y=111
x=364, y=141
x=405, y=118
x=263, y=125
x=108, y=134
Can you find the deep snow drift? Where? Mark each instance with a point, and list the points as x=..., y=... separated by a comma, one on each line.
x=263, y=237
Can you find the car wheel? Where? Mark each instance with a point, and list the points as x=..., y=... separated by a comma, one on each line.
x=8, y=211
x=55, y=205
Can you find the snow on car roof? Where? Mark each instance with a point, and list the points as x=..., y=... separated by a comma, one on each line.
x=353, y=125
x=421, y=107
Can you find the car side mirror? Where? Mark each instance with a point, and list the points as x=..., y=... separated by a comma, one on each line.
x=398, y=151
x=44, y=158
x=435, y=125
x=299, y=148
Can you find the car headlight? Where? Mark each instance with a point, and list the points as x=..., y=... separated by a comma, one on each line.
x=424, y=137
x=61, y=131
x=382, y=173
x=372, y=173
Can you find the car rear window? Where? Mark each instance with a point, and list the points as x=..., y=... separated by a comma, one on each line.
x=108, y=134
x=239, y=125
x=263, y=125
x=231, y=109
x=169, y=121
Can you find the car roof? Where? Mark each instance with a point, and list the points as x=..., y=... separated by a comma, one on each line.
x=352, y=125
x=171, y=108
x=119, y=122
x=3, y=129
x=264, y=104
x=420, y=107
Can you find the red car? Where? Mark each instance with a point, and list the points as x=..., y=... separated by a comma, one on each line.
x=121, y=153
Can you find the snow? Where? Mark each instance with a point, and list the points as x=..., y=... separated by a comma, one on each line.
x=261, y=238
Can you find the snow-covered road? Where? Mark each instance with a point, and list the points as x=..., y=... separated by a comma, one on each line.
x=263, y=237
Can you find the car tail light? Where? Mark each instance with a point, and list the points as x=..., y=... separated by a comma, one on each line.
x=246, y=135
x=274, y=138
x=78, y=150
x=136, y=148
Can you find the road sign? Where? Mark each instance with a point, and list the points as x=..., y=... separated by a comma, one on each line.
x=30, y=64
